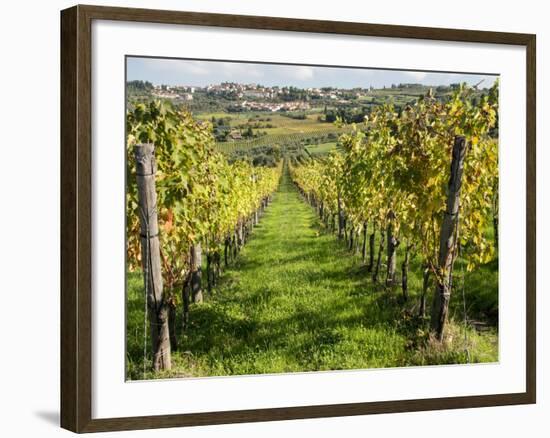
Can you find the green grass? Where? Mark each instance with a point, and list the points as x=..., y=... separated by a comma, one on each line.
x=284, y=130
x=288, y=138
x=297, y=300
x=321, y=149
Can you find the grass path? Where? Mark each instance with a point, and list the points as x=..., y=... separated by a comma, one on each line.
x=295, y=300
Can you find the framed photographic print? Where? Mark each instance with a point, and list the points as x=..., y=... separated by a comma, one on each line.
x=270, y=218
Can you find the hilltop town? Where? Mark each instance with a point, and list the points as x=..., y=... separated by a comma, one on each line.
x=238, y=97
x=254, y=115
x=234, y=97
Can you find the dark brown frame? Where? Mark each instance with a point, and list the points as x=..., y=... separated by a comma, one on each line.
x=76, y=236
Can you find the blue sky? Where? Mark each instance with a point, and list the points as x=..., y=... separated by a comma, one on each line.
x=201, y=73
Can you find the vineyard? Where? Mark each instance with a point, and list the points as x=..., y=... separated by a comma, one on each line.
x=202, y=204
x=292, y=139
x=379, y=250
x=394, y=179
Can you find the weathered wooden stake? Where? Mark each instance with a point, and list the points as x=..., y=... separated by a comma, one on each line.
x=425, y=286
x=209, y=272
x=150, y=256
x=195, y=258
x=447, y=241
x=371, y=248
x=226, y=250
x=234, y=247
x=379, y=259
x=341, y=224
x=218, y=270
x=392, y=244
x=172, y=326
x=240, y=234
x=405, y=274
x=364, y=245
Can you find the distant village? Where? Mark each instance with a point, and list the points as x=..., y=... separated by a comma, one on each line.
x=236, y=97
x=254, y=97
x=348, y=104
x=169, y=92
x=321, y=105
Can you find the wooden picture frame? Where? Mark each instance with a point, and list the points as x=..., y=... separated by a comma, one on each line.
x=76, y=218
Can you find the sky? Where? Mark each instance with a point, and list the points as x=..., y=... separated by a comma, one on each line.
x=200, y=73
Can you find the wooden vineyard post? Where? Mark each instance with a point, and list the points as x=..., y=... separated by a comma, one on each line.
x=196, y=273
x=340, y=218
x=379, y=259
x=392, y=244
x=371, y=247
x=405, y=273
x=425, y=286
x=150, y=256
x=364, y=246
x=447, y=241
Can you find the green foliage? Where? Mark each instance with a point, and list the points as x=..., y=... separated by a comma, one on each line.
x=294, y=301
x=321, y=149
x=139, y=86
x=323, y=134
x=201, y=196
x=297, y=301
x=400, y=163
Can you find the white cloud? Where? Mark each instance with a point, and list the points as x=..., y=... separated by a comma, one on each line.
x=194, y=68
x=176, y=71
x=160, y=65
x=417, y=75
x=237, y=70
x=303, y=73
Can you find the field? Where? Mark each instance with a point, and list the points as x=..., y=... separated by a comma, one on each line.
x=321, y=149
x=285, y=130
x=281, y=124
